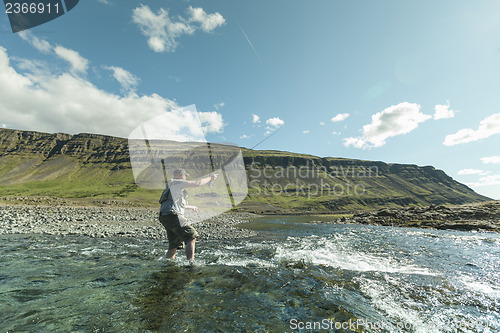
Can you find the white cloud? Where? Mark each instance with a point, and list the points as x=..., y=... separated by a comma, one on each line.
x=175, y=78
x=78, y=63
x=244, y=136
x=159, y=28
x=126, y=79
x=355, y=142
x=394, y=120
x=335, y=133
x=208, y=22
x=40, y=44
x=211, y=121
x=491, y=160
x=491, y=180
x=275, y=122
x=218, y=106
x=443, y=111
x=487, y=127
x=71, y=104
x=162, y=31
x=184, y=124
x=32, y=67
x=106, y=2
x=471, y=172
x=340, y=117
x=255, y=119
x=306, y=132
x=322, y=123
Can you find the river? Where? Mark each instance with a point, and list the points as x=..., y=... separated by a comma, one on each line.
x=299, y=275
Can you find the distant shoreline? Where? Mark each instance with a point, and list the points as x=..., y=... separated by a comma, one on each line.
x=108, y=218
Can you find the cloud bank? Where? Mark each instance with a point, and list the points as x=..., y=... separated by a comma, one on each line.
x=491, y=160
x=471, y=172
x=41, y=100
x=393, y=121
x=490, y=180
x=487, y=127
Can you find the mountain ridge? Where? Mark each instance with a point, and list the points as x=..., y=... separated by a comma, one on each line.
x=89, y=165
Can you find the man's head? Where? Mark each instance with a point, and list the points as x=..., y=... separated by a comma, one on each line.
x=180, y=174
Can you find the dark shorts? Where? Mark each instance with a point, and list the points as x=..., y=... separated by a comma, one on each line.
x=176, y=234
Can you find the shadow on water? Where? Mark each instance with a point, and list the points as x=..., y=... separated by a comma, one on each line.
x=159, y=300
x=206, y=299
x=222, y=298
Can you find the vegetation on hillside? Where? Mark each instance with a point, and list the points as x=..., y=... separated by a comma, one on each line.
x=96, y=166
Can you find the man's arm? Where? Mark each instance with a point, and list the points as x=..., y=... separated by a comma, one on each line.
x=195, y=208
x=201, y=181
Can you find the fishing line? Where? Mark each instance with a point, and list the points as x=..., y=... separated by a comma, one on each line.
x=263, y=68
x=267, y=137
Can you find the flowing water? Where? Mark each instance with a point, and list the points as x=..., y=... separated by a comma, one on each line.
x=298, y=275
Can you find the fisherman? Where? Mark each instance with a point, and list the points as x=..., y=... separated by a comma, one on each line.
x=173, y=202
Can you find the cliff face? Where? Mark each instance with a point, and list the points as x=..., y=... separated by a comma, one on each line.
x=88, y=165
x=63, y=165
x=85, y=147
x=346, y=184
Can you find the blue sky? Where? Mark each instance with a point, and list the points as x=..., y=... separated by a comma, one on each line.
x=393, y=81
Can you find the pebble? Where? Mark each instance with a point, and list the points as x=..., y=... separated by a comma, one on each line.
x=104, y=222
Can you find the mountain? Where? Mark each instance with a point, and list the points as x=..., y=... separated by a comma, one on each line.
x=91, y=166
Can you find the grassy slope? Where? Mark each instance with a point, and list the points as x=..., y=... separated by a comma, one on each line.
x=98, y=168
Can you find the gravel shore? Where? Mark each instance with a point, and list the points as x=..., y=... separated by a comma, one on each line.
x=118, y=220
x=109, y=222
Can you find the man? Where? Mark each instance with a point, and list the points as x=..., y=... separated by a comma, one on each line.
x=173, y=202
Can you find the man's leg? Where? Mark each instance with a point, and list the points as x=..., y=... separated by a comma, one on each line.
x=171, y=253
x=190, y=249
x=171, y=224
x=174, y=232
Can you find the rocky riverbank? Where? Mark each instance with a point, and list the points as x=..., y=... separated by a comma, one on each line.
x=480, y=217
x=108, y=222
x=114, y=219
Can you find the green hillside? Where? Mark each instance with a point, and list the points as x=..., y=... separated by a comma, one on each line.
x=91, y=166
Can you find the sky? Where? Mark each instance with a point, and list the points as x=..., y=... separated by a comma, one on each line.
x=395, y=81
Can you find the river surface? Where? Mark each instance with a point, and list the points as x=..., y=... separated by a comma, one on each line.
x=299, y=275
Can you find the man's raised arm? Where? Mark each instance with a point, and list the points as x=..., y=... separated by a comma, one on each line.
x=201, y=181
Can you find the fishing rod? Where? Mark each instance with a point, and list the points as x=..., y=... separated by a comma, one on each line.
x=226, y=178
x=151, y=157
